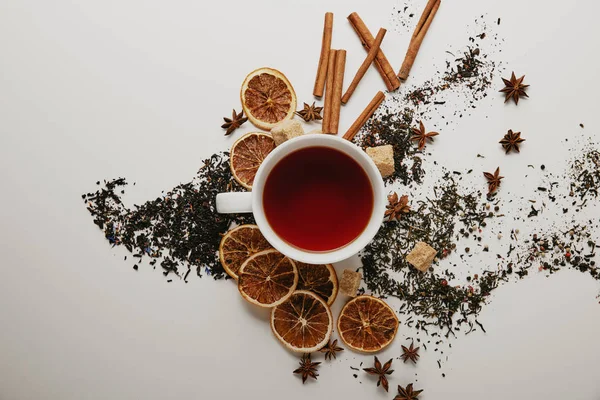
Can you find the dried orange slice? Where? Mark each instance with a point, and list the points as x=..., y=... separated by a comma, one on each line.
x=246, y=155
x=367, y=324
x=267, y=98
x=320, y=279
x=267, y=278
x=303, y=323
x=238, y=245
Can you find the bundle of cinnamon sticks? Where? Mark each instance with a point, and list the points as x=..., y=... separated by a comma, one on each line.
x=332, y=63
x=333, y=94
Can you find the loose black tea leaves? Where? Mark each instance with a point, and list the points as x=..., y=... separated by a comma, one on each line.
x=433, y=299
x=395, y=129
x=427, y=296
x=179, y=230
x=585, y=175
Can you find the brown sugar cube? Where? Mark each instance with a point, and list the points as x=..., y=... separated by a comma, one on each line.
x=350, y=282
x=383, y=156
x=421, y=256
x=286, y=130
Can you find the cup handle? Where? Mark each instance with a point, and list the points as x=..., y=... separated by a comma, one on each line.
x=234, y=202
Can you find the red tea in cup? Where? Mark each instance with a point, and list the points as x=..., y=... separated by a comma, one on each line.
x=318, y=199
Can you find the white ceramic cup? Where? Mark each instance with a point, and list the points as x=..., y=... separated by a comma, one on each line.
x=245, y=202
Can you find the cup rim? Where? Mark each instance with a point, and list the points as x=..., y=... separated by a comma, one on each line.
x=348, y=148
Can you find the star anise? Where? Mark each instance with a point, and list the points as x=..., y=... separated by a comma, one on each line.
x=410, y=353
x=330, y=349
x=511, y=141
x=396, y=207
x=493, y=180
x=381, y=371
x=514, y=88
x=310, y=113
x=420, y=136
x=307, y=368
x=407, y=393
x=231, y=124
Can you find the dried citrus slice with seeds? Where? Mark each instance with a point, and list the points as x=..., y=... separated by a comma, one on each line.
x=303, y=323
x=320, y=279
x=238, y=245
x=246, y=155
x=267, y=98
x=367, y=324
x=267, y=278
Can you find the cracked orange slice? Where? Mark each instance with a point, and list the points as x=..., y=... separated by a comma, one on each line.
x=238, y=245
x=267, y=278
x=246, y=155
x=367, y=324
x=320, y=279
x=303, y=323
x=267, y=98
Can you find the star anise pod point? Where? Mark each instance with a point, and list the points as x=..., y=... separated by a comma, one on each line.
x=410, y=353
x=307, y=368
x=331, y=349
x=381, y=372
x=511, y=141
x=397, y=206
x=407, y=393
x=493, y=180
x=514, y=88
x=310, y=113
x=231, y=124
x=421, y=136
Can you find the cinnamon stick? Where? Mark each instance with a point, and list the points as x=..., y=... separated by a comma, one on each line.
x=338, y=84
x=324, y=57
x=329, y=91
x=365, y=65
x=417, y=37
x=364, y=116
x=381, y=62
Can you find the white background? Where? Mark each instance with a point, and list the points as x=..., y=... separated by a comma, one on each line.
x=101, y=89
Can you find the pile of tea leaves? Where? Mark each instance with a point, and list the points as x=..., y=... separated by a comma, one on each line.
x=452, y=292
x=550, y=251
x=585, y=175
x=453, y=213
x=180, y=230
x=439, y=220
x=394, y=128
x=472, y=71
